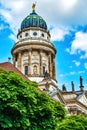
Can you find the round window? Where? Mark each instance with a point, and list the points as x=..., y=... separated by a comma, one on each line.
x=26, y=34
x=20, y=36
x=35, y=33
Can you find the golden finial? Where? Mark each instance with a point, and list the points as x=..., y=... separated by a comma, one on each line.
x=33, y=6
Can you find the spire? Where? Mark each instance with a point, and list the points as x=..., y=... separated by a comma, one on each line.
x=33, y=6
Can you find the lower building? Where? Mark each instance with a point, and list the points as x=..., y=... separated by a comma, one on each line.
x=34, y=59
x=75, y=102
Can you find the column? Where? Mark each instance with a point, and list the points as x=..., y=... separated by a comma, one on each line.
x=14, y=60
x=50, y=64
x=19, y=61
x=29, y=60
x=54, y=72
x=41, y=66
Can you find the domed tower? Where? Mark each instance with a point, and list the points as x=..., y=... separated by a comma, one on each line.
x=33, y=53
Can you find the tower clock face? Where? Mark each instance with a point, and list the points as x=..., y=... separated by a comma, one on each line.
x=35, y=33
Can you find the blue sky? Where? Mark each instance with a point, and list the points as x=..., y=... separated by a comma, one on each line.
x=67, y=22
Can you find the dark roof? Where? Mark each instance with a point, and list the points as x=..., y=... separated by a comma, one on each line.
x=10, y=67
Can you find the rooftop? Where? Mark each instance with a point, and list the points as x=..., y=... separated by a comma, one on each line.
x=10, y=67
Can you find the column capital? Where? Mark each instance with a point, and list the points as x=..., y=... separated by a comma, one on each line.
x=19, y=51
x=49, y=53
x=30, y=49
x=41, y=50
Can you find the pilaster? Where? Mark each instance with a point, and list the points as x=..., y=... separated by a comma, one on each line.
x=54, y=72
x=29, y=60
x=41, y=62
x=50, y=64
x=19, y=61
x=14, y=60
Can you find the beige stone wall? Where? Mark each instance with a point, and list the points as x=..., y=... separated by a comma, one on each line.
x=35, y=69
x=36, y=60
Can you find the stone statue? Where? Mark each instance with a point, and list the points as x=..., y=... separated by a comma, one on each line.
x=81, y=80
x=47, y=86
x=72, y=86
x=64, y=87
x=46, y=74
x=81, y=84
x=33, y=6
x=9, y=59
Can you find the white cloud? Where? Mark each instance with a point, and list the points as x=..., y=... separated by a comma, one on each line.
x=13, y=12
x=80, y=44
x=58, y=33
x=85, y=65
x=63, y=75
x=8, y=18
x=12, y=36
x=68, y=5
x=84, y=56
x=68, y=50
x=77, y=63
x=67, y=74
x=72, y=73
x=3, y=26
x=81, y=72
x=54, y=12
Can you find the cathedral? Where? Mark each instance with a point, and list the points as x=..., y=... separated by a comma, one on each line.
x=34, y=57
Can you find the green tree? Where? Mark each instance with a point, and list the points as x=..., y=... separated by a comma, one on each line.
x=24, y=107
x=80, y=119
x=74, y=122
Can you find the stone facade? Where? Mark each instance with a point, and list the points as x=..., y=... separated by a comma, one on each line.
x=34, y=55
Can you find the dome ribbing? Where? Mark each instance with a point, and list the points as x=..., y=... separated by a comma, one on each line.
x=33, y=20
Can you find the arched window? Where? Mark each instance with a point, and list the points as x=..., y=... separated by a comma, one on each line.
x=26, y=70
x=43, y=70
x=34, y=21
x=35, y=69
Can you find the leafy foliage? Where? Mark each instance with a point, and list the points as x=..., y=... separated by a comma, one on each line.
x=78, y=122
x=24, y=107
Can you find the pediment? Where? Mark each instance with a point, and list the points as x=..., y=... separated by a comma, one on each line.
x=55, y=97
x=58, y=97
x=83, y=100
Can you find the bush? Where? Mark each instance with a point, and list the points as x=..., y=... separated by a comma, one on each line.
x=24, y=107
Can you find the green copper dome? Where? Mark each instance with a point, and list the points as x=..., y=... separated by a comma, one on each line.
x=33, y=20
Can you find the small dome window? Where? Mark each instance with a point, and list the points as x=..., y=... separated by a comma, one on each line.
x=48, y=38
x=42, y=34
x=26, y=34
x=28, y=17
x=20, y=36
x=34, y=17
x=35, y=33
